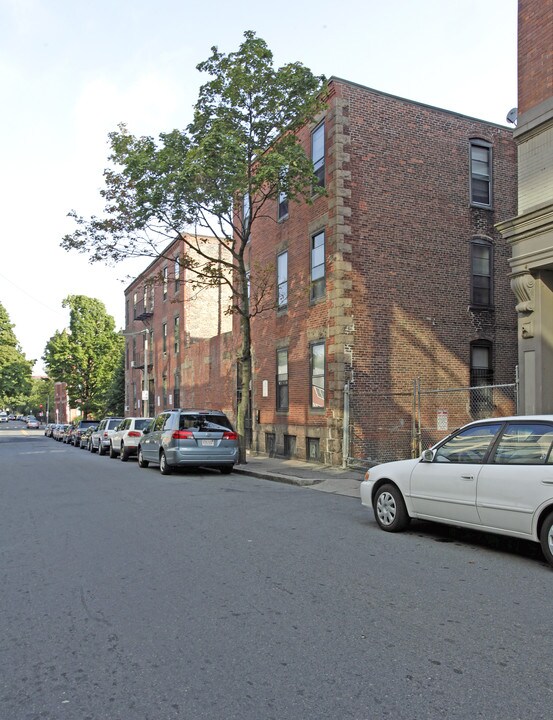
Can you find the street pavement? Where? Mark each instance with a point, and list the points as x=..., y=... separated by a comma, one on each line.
x=325, y=478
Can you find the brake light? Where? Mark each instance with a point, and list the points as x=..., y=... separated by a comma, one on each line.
x=106, y=434
x=228, y=435
x=134, y=433
x=183, y=435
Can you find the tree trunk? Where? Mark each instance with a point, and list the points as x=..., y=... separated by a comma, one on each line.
x=246, y=375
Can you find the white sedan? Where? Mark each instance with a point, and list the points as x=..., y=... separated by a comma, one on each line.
x=492, y=475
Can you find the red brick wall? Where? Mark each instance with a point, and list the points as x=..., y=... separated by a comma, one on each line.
x=535, y=53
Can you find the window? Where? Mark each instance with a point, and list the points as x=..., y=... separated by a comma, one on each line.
x=176, y=334
x=468, y=446
x=481, y=273
x=177, y=273
x=246, y=214
x=481, y=377
x=318, y=266
x=134, y=304
x=282, y=380
x=318, y=153
x=164, y=337
x=176, y=391
x=282, y=205
x=165, y=279
x=480, y=173
x=317, y=381
x=164, y=390
x=282, y=195
x=282, y=280
x=525, y=444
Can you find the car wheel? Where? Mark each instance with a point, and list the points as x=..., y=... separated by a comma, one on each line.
x=546, y=538
x=101, y=448
x=164, y=466
x=124, y=454
x=112, y=452
x=92, y=448
x=225, y=469
x=389, y=509
x=141, y=462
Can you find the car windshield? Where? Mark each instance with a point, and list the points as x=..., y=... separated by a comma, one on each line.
x=141, y=424
x=204, y=423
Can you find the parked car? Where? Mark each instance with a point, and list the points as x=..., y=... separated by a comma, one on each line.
x=188, y=438
x=79, y=429
x=125, y=439
x=494, y=475
x=57, y=432
x=99, y=440
x=32, y=423
x=67, y=433
x=84, y=443
x=49, y=429
x=3, y=417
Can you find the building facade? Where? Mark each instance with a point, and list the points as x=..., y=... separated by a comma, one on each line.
x=170, y=323
x=530, y=232
x=396, y=274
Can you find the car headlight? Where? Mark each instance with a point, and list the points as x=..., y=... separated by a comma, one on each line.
x=367, y=474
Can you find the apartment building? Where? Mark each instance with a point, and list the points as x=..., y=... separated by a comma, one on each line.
x=396, y=274
x=172, y=327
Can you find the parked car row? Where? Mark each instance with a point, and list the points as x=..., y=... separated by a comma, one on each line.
x=173, y=439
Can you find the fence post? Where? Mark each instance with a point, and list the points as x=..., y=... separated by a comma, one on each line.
x=345, y=429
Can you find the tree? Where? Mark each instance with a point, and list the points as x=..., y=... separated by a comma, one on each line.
x=15, y=369
x=241, y=150
x=115, y=396
x=87, y=355
x=41, y=397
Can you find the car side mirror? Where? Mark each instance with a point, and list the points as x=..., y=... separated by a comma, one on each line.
x=428, y=456
x=146, y=430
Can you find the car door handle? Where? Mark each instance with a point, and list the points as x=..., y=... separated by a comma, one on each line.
x=467, y=477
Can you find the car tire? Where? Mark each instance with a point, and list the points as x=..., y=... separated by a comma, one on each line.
x=92, y=448
x=101, y=448
x=164, y=467
x=225, y=469
x=112, y=452
x=124, y=454
x=546, y=538
x=141, y=462
x=389, y=509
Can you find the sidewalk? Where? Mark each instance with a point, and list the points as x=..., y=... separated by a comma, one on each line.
x=325, y=478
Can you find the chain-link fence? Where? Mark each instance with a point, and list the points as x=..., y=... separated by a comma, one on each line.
x=399, y=425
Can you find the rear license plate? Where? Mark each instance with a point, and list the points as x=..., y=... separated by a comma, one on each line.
x=208, y=442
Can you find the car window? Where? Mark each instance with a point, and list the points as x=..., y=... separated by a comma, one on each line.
x=204, y=423
x=159, y=422
x=141, y=424
x=525, y=444
x=468, y=446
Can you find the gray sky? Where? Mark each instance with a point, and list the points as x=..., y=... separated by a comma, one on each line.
x=71, y=70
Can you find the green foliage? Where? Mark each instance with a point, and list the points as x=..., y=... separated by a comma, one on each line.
x=115, y=396
x=41, y=399
x=86, y=355
x=15, y=369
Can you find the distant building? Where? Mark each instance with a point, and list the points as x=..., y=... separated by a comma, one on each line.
x=166, y=314
x=530, y=232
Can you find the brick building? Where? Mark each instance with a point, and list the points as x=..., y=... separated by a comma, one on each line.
x=173, y=329
x=530, y=232
x=397, y=273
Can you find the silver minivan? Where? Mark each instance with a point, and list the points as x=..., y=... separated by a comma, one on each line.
x=189, y=438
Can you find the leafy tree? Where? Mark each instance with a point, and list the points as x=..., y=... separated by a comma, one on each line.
x=87, y=355
x=15, y=369
x=41, y=398
x=241, y=150
x=115, y=396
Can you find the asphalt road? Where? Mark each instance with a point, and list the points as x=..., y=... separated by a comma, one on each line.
x=126, y=595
